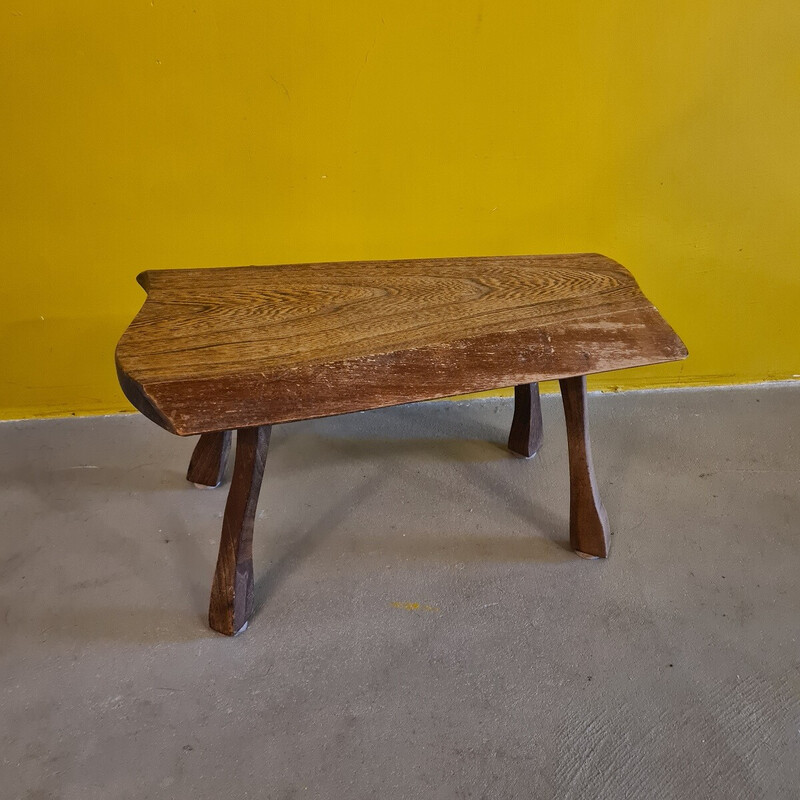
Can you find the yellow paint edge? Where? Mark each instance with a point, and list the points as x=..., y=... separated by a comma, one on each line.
x=547, y=387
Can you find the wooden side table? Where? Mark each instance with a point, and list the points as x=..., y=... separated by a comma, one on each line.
x=243, y=348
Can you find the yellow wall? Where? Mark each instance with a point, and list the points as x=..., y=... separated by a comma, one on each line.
x=182, y=134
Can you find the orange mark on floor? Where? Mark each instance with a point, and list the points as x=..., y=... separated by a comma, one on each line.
x=414, y=606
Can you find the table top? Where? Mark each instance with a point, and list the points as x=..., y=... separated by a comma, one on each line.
x=215, y=349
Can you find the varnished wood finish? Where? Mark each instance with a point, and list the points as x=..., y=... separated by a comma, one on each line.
x=240, y=347
x=209, y=459
x=527, y=432
x=232, y=590
x=588, y=522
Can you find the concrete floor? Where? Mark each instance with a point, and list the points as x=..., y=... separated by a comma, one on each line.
x=422, y=630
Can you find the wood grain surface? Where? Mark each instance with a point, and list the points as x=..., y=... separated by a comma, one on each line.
x=216, y=349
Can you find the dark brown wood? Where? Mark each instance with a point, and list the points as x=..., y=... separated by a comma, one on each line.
x=245, y=346
x=232, y=590
x=209, y=459
x=588, y=521
x=527, y=432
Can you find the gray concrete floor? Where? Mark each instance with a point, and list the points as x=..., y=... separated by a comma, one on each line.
x=422, y=630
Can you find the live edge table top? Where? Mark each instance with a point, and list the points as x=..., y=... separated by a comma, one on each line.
x=234, y=347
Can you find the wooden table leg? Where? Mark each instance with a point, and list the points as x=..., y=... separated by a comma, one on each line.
x=209, y=459
x=232, y=590
x=588, y=522
x=527, y=433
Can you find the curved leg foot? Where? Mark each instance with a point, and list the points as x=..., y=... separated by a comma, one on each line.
x=527, y=433
x=588, y=522
x=232, y=590
x=210, y=456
